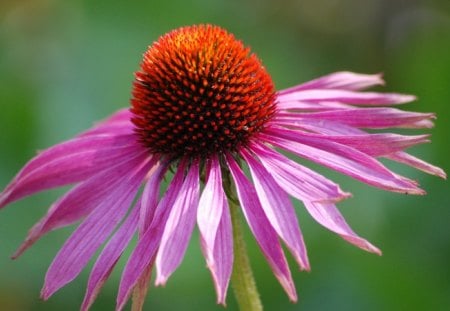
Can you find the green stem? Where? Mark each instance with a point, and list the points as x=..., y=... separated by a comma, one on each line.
x=242, y=279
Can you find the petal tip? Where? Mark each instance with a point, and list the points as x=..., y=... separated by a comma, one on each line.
x=161, y=281
x=45, y=293
x=4, y=197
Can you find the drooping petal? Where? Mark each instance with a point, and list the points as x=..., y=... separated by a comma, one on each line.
x=145, y=251
x=150, y=197
x=347, y=97
x=373, y=118
x=329, y=216
x=68, y=163
x=343, y=159
x=299, y=106
x=344, y=80
x=261, y=228
x=214, y=224
x=119, y=122
x=179, y=226
x=210, y=206
x=405, y=158
x=109, y=257
x=116, y=128
x=375, y=145
x=101, y=144
x=279, y=210
x=80, y=201
x=381, y=144
x=83, y=243
x=325, y=127
x=332, y=128
x=149, y=202
x=220, y=259
x=297, y=180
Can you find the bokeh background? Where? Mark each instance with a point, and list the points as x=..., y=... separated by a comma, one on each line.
x=66, y=64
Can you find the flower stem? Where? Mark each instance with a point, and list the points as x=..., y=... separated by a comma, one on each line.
x=242, y=279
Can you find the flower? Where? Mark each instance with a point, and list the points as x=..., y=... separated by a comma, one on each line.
x=204, y=107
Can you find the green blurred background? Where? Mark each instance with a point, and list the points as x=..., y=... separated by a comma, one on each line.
x=66, y=64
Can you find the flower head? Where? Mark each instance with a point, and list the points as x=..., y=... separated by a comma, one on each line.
x=204, y=107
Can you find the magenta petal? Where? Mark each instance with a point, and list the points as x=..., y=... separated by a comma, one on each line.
x=109, y=257
x=373, y=118
x=210, y=206
x=148, y=204
x=69, y=162
x=80, y=201
x=179, y=226
x=261, y=228
x=147, y=246
x=279, y=210
x=343, y=159
x=405, y=158
x=116, y=128
x=347, y=97
x=213, y=218
x=101, y=144
x=329, y=216
x=220, y=259
x=298, y=106
x=118, y=122
x=325, y=127
x=297, y=180
x=339, y=80
x=83, y=243
x=375, y=145
x=150, y=197
x=332, y=128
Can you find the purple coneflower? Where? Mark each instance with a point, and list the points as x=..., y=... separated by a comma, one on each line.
x=205, y=109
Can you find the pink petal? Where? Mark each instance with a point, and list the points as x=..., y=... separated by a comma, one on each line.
x=148, y=206
x=210, y=206
x=147, y=246
x=325, y=127
x=84, y=242
x=150, y=197
x=116, y=128
x=109, y=257
x=99, y=143
x=297, y=180
x=70, y=162
x=279, y=210
x=179, y=226
x=332, y=128
x=328, y=216
x=214, y=224
x=375, y=145
x=339, y=80
x=405, y=158
x=261, y=228
x=119, y=121
x=343, y=159
x=220, y=259
x=80, y=201
x=347, y=97
x=374, y=118
x=299, y=106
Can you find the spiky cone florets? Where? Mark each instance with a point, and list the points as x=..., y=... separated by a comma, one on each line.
x=200, y=91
